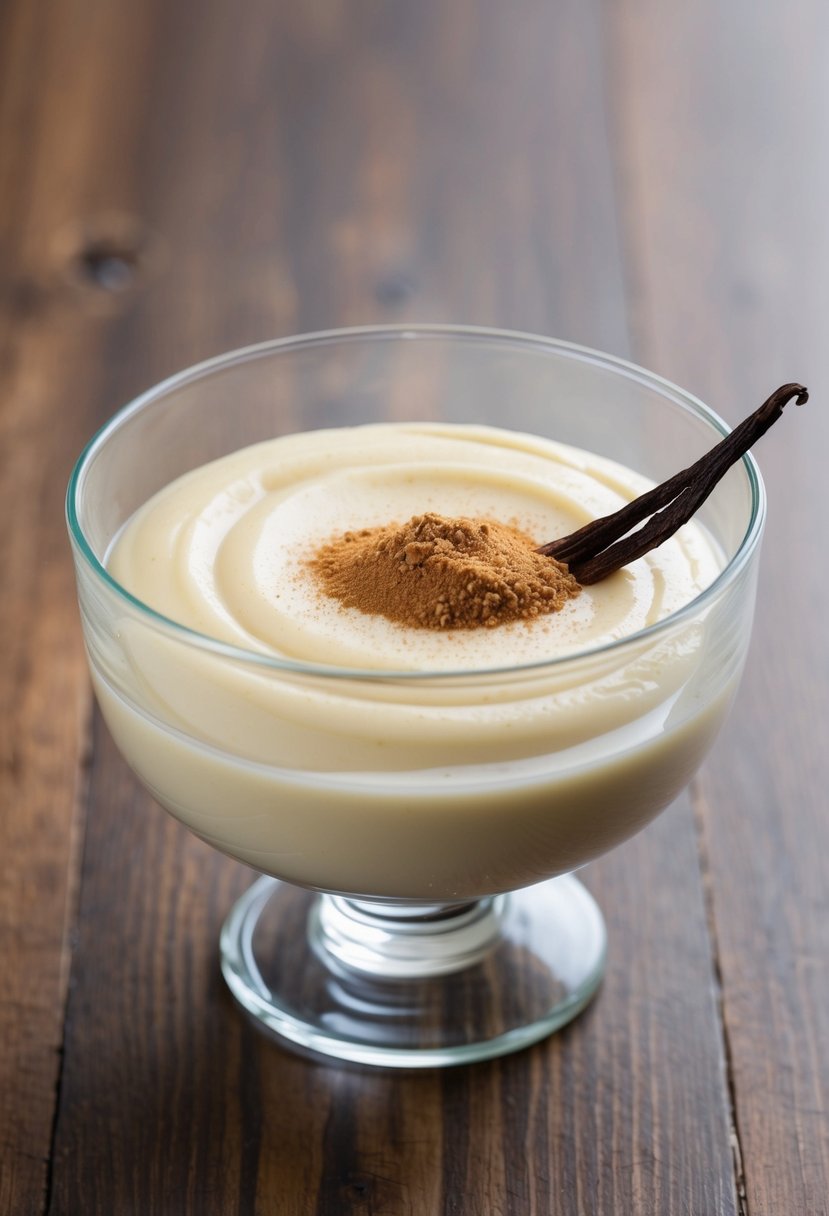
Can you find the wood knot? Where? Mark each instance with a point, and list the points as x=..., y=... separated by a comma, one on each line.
x=108, y=256
x=107, y=266
x=394, y=289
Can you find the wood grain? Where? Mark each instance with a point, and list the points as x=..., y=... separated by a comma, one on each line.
x=51, y=343
x=441, y=107
x=733, y=273
x=177, y=181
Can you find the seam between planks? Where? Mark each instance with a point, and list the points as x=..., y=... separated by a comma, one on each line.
x=698, y=804
x=614, y=140
x=77, y=839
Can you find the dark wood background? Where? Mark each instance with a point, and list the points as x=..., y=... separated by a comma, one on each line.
x=181, y=178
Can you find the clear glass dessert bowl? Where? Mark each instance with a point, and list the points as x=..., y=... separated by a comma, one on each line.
x=416, y=830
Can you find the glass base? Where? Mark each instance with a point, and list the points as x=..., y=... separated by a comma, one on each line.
x=413, y=986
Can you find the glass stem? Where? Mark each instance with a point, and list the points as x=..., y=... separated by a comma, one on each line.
x=406, y=941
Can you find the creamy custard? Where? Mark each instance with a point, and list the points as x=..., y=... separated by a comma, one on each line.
x=224, y=550
x=403, y=783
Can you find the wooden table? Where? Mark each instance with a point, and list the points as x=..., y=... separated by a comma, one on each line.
x=181, y=178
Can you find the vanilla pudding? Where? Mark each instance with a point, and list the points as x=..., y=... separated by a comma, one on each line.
x=394, y=775
x=224, y=550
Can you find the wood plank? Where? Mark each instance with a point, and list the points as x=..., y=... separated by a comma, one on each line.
x=724, y=179
x=51, y=337
x=44, y=703
x=319, y=165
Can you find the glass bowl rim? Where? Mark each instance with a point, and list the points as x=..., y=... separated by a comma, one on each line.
x=473, y=333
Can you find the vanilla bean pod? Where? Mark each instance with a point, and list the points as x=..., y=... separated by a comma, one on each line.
x=605, y=545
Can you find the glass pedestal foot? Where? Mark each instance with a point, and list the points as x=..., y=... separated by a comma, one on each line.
x=413, y=986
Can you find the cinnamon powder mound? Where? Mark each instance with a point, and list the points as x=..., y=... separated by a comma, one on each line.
x=439, y=573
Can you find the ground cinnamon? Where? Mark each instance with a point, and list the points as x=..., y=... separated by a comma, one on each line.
x=439, y=573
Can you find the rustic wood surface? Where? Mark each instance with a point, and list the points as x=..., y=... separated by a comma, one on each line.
x=178, y=179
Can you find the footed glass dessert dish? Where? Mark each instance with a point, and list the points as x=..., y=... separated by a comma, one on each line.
x=416, y=800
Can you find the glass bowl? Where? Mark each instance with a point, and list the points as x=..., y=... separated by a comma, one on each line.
x=417, y=905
